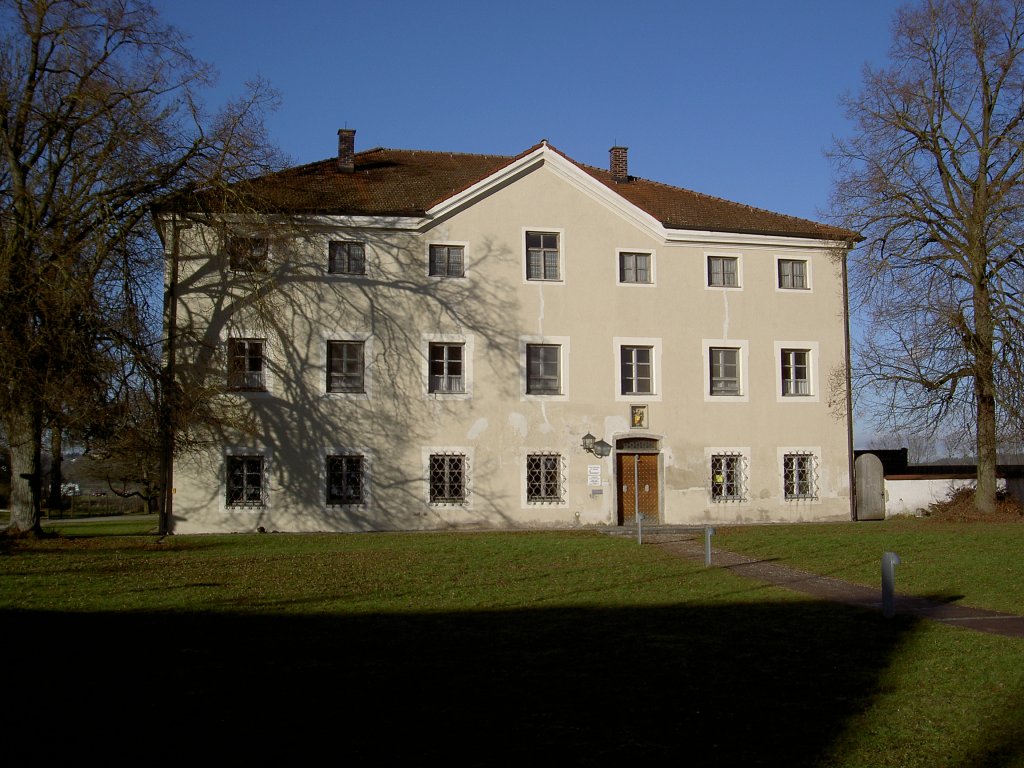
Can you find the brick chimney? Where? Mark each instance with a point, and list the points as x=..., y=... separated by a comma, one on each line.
x=618, y=164
x=347, y=150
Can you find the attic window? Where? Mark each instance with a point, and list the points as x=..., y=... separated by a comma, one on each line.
x=543, y=260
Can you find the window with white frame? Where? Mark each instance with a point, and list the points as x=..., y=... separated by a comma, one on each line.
x=792, y=273
x=796, y=377
x=542, y=256
x=245, y=481
x=544, y=478
x=725, y=371
x=345, y=367
x=728, y=477
x=447, y=478
x=543, y=369
x=447, y=261
x=636, y=370
x=800, y=475
x=634, y=267
x=246, y=254
x=246, y=365
x=344, y=479
x=346, y=258
x=447, y=373
x=723, y=271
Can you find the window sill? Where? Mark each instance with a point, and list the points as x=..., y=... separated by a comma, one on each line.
x=449, y=396
x=259, y=393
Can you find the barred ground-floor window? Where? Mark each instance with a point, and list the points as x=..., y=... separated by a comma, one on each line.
x=447, y=478
x=245, y=475
x=800, y=476
x=728, y=477
x=544, y=481
x=344, y=479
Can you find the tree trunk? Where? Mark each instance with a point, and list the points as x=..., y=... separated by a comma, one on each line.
x=985, y=397
x=25, y=432
x=56, y=460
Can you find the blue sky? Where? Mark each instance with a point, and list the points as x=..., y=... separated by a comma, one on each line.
x=735, y=98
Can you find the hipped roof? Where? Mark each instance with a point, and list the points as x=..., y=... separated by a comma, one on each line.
x=409, y=183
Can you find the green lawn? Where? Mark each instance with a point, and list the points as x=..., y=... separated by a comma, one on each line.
x=978, y=564
x=482, y=649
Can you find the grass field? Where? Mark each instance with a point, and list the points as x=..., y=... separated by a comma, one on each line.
x=976, y=564
x=481, y=649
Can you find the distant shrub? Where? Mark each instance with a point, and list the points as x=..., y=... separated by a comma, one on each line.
x=958, y=506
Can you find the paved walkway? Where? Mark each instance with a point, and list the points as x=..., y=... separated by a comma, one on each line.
x=691, y=546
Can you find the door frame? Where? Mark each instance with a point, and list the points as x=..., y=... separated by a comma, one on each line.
x=652, y=446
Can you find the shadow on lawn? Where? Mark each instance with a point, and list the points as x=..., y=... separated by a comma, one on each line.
x=737, y=685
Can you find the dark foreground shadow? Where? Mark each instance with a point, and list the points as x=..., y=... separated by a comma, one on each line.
x=730, y=685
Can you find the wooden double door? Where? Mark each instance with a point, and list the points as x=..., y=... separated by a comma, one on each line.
x=636, y=478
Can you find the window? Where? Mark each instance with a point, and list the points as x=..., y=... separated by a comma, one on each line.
x=447, y=260
x=346, y=258
x=446, y=369
x=725, y=371
x=723, y=271
x=344, y=480
x=542, y=256
x=727, y=477
x=634, y=267
x=245, y=481
x=795, y=372
x=637, y=370
x=344, y=366
x=543, y=477
x=246, y=365
x=800, y=476
x=792, y=273
x=447, y=478
x=542, y=369
x=247, y=254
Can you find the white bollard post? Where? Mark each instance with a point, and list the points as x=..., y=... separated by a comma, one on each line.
x=708, y=533
x=889, y=562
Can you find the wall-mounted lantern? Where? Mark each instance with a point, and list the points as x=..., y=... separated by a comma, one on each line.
x=597, y=447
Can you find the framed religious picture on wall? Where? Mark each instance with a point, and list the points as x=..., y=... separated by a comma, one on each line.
x=638, y=416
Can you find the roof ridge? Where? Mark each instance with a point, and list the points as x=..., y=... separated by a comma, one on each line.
x=431, y=152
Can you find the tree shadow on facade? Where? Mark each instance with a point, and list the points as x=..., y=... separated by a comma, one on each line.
x=746, y=684
x=393, y=307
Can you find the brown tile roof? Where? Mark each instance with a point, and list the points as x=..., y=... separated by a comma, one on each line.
x=400, y=182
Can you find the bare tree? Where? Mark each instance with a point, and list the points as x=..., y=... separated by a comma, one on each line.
x=99, y=121
x=933, y=178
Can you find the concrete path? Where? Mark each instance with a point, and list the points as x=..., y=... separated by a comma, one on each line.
x=691, y=546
